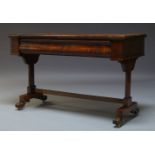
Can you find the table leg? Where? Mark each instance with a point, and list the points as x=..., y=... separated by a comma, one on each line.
x=129, y=105
x=30, y=60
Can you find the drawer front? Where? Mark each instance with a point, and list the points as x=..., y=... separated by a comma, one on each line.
x=66, y=47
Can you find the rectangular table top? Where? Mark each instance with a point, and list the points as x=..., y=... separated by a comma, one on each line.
x=81, y=36
x=113, y=46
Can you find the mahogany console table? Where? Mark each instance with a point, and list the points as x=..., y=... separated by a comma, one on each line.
x=124, y=48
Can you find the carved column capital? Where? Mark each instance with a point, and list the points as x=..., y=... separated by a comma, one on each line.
x=30, y=58
x=128, y=65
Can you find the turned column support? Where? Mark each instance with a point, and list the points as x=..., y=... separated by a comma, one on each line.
x=128, y=105
x=127, y=67
x=31, y=60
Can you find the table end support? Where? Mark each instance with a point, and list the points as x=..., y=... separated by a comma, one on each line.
x=30, y=60
x=128, y=105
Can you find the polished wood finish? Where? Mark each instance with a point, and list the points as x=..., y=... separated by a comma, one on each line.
x=116, y=47
x=124, y=48
x=81, y=96
x=31, y=89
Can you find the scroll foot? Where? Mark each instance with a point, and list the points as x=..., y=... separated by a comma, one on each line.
x=20, y=105
x=23, y=99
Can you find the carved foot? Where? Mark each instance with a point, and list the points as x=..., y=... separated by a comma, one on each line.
x=131, y=109
x=22, y=101
x=118, y=120
x=26, y=98
x=20, y=105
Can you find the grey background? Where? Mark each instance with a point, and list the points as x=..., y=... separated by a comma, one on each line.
x=93, y=76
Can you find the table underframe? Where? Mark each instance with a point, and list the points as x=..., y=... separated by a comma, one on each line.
x=128, y=106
